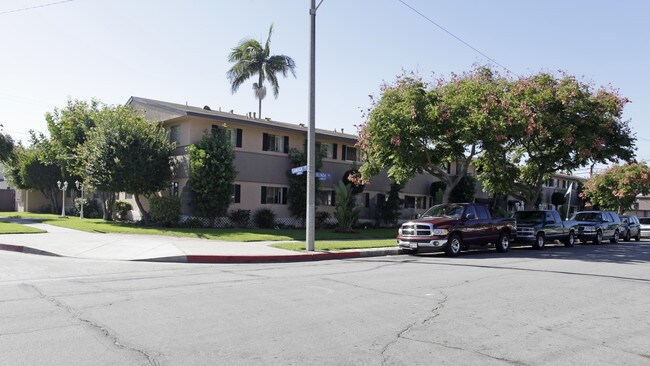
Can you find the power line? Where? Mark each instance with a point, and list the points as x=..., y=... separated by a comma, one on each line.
x=455, y=36
x=34, y=7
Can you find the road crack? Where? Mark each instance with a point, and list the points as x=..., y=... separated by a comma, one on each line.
x=92, y=324
x=435, y=312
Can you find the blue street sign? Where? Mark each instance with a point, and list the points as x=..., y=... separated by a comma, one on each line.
x=323, y=176
x=299, y=170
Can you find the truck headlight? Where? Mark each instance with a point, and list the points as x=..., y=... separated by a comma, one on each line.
x=440, y=232
x=589, y=228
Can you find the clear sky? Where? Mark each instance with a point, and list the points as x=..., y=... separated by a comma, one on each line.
x=176, y=51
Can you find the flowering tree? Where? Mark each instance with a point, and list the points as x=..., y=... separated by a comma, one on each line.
x=415, y=128
x=553, y=124
x=616, y=189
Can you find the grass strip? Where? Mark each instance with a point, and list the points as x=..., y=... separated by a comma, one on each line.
x=12, y=228
x=224, y=234
x=334, y=245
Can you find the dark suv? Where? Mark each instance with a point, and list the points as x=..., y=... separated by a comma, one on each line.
x=630, y=227
x=597, y=226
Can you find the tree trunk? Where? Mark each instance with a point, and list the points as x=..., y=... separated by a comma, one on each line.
x=260, y=107
x=447, y=192
x=145, y=215
x=52, y=196
x=108, y=202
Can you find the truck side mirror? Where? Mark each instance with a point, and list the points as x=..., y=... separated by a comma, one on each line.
x=470, y=216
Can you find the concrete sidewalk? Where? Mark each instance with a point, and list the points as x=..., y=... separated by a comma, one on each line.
x=65, y=242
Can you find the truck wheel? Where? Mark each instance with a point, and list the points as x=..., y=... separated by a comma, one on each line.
x=599, y=238
x=503, y=243
x=539, y=241
x=627, y=235
x=570, y=239
x=454, y=243
x=616, y=237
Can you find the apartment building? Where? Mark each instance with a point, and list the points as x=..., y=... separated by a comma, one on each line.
x=261, y=148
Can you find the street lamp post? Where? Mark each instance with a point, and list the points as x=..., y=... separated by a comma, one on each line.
x=80, y=187
x=311, y=133
x=63, y=187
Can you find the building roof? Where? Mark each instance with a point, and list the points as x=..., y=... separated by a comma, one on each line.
x=163, y=111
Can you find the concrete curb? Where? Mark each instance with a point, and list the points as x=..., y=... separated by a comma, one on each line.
x=197, y=258
x=27, y=250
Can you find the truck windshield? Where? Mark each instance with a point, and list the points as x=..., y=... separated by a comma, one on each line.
x=587, y=216
x=453, y=211
x=529, y=217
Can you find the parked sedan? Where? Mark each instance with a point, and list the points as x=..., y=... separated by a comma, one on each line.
x=630, y=228
x=645, y=226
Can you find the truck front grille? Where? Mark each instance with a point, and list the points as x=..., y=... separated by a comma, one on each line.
x=419, y=229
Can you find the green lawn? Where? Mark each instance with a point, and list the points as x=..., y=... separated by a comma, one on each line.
x=235, y=235
x=331, y=245
x=11, y=228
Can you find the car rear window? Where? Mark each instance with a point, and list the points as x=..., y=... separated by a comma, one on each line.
x=645, y=220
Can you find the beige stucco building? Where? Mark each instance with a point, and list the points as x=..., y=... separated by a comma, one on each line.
x=261, y=148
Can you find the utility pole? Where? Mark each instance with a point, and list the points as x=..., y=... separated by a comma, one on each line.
x=311, y=133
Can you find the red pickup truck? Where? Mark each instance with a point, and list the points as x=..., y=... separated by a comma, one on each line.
x=454, y=227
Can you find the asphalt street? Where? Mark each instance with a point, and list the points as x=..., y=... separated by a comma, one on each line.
x=559, y=306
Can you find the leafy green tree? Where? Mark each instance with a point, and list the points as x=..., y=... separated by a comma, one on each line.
x=616, y=189
x=7, y=146
x=558, y=199
x=125, y=153
x=389, y=210
x=551, y=124
x=252, y=59
x=33, y=171
x=68, y=128
x=212, y=174
x=346, y=210
x=297, y=195
x=464, y=191
x=415, y=128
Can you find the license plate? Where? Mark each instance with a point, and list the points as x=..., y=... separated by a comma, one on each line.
x=413, y=245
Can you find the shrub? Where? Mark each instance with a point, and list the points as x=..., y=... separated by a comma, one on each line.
x=122, y=209
x=240, y=218
x=346, y=212
x=92, y=208
x=264, y=218
x=165, y=210
x=322, y=219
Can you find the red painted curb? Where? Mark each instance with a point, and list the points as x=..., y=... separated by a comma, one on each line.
x=12, y=248
x=269, y=258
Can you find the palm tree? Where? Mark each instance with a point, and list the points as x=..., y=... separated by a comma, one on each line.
x=252, y=59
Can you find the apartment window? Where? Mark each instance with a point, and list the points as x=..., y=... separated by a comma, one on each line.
x=128, y=196
x=175, y=134
x=236, y=194
x=274, y=195
x=234, y=134
x=327, y=149
x=415, y=202
x=173, y=189
x=275, y=143
x=327, y=198
x=564, y=184
x=349, y=153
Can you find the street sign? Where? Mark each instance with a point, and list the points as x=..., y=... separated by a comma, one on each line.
x=323, y=176
x=299, y=170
